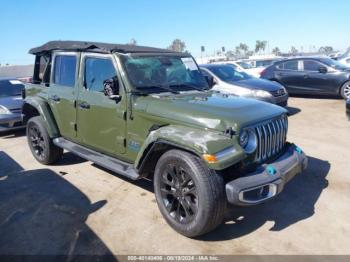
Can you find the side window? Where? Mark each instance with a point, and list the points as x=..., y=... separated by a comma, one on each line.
x=291, y=65
x=64, y=70
x=97, y=70
x=42, y=69
x=310, y=65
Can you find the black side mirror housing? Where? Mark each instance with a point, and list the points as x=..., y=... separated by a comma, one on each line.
x=323, y=69
x=111, y=89
x=210, y=80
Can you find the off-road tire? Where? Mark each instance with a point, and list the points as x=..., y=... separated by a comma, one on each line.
x=48, y=152
x=345, y=90
x=211, y=200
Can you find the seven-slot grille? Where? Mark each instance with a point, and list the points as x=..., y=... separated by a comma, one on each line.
x=271, y=138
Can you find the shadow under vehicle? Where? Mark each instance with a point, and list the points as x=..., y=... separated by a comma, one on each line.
x=43, y=214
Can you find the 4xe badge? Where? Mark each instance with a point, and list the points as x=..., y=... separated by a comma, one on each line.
x=134, y=145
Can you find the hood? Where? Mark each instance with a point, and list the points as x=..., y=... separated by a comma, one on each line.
x=11, y=102
x=208, y=110
x=257, y=83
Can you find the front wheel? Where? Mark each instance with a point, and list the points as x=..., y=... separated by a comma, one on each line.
x=190, y=196
x=40, y=142
x=345, y=90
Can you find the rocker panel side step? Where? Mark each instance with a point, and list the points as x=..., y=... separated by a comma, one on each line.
x=100, y=159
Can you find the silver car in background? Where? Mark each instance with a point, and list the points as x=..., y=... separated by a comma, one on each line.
x=10, y=104
x=230, y=81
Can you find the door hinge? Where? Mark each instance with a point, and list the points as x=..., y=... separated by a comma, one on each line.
x=124, y=142
x=75, y=103
x=75, y=127
x=125, y=115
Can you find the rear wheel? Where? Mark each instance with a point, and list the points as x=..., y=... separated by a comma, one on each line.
x=40, y=142
x=345, y=90
x=190, y=196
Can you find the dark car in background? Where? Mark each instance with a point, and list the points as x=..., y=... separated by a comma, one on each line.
x=10, y=104
x=317, y=76
x=229, y=80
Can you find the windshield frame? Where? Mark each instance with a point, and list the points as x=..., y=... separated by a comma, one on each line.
x=211, y=68
x=337, y=64
x=153, y=89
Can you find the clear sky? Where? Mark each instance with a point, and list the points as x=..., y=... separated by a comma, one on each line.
x=26, y=24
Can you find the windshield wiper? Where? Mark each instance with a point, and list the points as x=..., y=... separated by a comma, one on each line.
x=190, y=86
x=163, y=87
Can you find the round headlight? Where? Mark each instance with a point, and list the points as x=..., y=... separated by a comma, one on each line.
x=248, y=141
x=243, y=138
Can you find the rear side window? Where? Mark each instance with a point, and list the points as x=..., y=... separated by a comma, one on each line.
x=97, y=70
x=290, y=65
x=64, y=70
x=310, y=65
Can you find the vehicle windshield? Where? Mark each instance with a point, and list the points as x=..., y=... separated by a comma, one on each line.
x=229, y=74
x=244, y=65
x=10, y=88
x=164, y=73
x=333, y=63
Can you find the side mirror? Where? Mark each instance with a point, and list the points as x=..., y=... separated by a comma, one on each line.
x=111, y=89
x=210, y=80
x=323, y=69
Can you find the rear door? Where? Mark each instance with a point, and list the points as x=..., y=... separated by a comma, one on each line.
x=62, y=92
x=290, y=75
x=101, y=121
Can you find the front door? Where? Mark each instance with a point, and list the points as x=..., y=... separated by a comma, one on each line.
x=316, y=81
x=62, y=92
x=100, y=120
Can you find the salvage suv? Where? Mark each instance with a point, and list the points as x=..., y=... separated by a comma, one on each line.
x=145, y=112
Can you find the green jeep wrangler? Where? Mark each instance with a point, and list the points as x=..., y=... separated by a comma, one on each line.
x=145, y=112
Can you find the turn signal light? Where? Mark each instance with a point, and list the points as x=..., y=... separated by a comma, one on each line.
x=211, y=159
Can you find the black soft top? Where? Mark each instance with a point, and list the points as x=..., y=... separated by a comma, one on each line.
x=95, y=47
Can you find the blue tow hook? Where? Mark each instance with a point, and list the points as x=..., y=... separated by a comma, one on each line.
x=271, y=170
x=299, y=151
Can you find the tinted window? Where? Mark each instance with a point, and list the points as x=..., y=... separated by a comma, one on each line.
x=65, y=67
x=310, y=65
x=228, y=73
x=290, y=65
x=10, y=88
x=97, y=70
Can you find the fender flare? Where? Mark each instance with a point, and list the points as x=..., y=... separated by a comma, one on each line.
x=44, y=110
x=193, y=140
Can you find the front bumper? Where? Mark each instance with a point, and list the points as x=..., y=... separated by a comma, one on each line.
x=10, y=122
x=268, y=180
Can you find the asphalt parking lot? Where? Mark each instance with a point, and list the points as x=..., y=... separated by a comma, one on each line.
x=76, y=207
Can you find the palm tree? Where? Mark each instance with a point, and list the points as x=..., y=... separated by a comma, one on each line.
x=177, y=45
x=276, y=51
